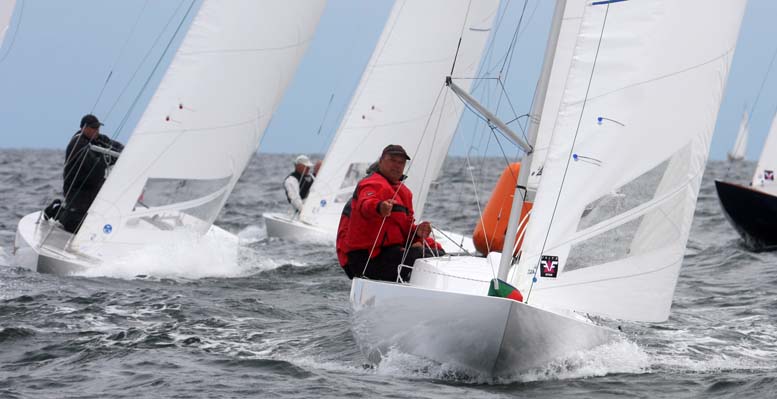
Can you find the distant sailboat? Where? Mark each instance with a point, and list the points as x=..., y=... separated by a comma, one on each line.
x=400, y=100
x=636, y=112
x=739, y=149
x=6, y=11
x=199, y=131
x=753, y=210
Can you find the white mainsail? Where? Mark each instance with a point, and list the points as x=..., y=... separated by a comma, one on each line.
x=204, y=122
x=401, y=99
x=740, y=145
x=559, y=70
x=763, y=178
x=6, y=11
x=620, y=179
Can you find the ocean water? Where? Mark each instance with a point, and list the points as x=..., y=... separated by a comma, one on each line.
x=277, y=323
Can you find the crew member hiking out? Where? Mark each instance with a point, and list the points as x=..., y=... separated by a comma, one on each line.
x=297, y=184
x=382, y=222
x=85, y=171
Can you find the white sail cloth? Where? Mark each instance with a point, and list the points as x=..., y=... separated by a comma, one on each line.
x=401, y=99
x=559, y=70
x=763, y=178
x=740, y=144
x=619, y=184
x=6, y=11
x=204, y=122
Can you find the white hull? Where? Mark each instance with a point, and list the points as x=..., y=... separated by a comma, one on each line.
x=43, y=246
x=286, y=227
x=493, y=336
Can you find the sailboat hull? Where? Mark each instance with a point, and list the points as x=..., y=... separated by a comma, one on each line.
x=488, y=335
x=283, y=226
x=753, y=214
x=43, y=246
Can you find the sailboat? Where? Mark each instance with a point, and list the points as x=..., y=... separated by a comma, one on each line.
x=6, y=11
x=399, y=100
x=193, y=141
x=752, y=210
x=737, y=152
x=637, y=87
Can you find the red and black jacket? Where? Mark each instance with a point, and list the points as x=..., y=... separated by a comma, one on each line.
x=364, y=225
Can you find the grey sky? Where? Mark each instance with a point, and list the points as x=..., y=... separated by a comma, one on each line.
x=58, y=54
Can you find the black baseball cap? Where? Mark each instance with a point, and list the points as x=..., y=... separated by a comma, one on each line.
x=395, y=149
x=90, y=121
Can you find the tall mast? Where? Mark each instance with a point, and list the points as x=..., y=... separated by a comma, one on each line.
x=521, y=192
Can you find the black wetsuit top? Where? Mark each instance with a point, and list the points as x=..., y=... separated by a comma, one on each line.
x=84, y=171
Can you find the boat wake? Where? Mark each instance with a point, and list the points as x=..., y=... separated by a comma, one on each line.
x=190, y=259
x=622, y=357
x=251, y=234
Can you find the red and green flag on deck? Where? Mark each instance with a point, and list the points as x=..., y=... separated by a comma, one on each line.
x=504, y=291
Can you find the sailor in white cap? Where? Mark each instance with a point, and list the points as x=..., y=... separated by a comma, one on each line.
x=297, y=183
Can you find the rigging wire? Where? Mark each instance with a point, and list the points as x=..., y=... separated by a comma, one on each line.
x=119, y=55
x=763, y=83
x=571, y=150
x=511, y=49
x=151, y=74
x=326, y=111
x=143, y=61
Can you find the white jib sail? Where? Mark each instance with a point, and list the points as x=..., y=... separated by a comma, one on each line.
x=401, y=99
x=619, y=185
x=6, y=11
x=204, y=122
x=763, y=178
x=740, y=145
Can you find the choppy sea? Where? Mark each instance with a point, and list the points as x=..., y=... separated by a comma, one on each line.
x=277, y=323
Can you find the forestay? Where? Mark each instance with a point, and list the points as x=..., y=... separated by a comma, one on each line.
x=401, y=100
x=6, y=11
x=740, y=145
x=205, y=120
x=620, y=180
x=763, y=178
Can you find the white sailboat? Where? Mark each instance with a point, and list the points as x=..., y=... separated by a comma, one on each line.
x=739, y=149
x=193, y=141
x=6, y=11
x=399, y=100
x=614, y=203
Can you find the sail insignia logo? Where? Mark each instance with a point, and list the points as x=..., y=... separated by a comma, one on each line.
x=549, y=266
x=769, y=175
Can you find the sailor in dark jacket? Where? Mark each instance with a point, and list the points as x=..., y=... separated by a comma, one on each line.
x=298, y=183
x=85, y=171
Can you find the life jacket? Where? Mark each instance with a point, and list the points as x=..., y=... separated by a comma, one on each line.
x=364, y=224
x=305, y=182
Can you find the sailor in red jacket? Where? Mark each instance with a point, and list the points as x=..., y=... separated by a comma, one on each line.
x=381, y=223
